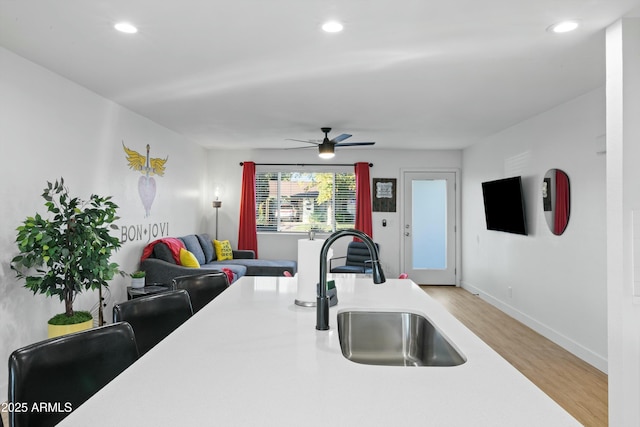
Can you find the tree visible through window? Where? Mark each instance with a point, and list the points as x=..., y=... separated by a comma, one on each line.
x=303, y=201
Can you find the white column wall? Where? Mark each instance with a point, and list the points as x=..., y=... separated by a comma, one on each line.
x=623, y=198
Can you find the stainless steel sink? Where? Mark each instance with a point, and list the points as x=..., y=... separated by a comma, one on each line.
x=394, y=339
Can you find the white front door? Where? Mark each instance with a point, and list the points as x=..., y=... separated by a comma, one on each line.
x=430, y=227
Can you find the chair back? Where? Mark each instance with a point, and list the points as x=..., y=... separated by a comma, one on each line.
x=154, y=317
x=63, y=372
x=202, y=288
x=358, y=253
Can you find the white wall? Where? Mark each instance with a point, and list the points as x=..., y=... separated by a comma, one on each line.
x=51, y=127
x=623, y=235
x=225, y=172
x=558, y=283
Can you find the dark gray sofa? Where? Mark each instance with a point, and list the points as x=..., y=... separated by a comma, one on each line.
x=161, y=267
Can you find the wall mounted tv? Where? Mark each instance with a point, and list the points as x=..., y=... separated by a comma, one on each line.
x=504, y=205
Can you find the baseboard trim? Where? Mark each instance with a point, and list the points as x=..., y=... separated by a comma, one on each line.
x=568, y=344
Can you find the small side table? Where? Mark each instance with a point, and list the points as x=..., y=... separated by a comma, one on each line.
x=147, y=290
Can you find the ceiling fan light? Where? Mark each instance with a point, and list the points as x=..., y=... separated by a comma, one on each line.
x=332, y=27
x=326, y=151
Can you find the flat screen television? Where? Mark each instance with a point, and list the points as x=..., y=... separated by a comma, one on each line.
x=504, y=207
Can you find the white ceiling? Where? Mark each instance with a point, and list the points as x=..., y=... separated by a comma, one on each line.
x=250, y=73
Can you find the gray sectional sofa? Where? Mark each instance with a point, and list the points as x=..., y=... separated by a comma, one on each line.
x=161, y=266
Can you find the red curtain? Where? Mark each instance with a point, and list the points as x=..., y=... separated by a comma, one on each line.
x=247, y=235
x=363, y=199
x=562, y=202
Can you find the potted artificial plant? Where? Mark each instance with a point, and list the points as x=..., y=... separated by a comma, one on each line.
x=68, y=252
x=138, y=279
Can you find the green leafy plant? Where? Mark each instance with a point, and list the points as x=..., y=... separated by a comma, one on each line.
x=138, y=274
x=68, y=252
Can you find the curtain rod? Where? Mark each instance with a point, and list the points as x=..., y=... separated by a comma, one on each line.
x=306, y=164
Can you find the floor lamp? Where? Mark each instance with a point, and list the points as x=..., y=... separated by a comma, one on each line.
x=216, y=204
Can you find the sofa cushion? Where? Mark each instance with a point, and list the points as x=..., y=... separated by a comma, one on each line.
x=192, y=244
x=266, y=267
x=237, y=269
x=187, y=259
x=223, y=250
x=207, y=247
x=162, y=251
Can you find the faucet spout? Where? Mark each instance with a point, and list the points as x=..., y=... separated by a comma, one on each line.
x=322, y=306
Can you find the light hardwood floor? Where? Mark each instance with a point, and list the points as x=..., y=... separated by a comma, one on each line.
x=575, y=385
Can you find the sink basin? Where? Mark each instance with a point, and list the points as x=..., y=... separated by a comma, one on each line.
x=394, y=339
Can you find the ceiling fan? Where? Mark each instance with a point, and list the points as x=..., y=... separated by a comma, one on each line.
x=326, y=148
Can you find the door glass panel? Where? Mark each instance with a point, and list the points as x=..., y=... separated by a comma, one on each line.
x=429, y=219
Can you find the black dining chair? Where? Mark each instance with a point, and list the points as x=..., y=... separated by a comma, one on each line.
x=153, y=317
x=357, y=260
x=202, y=288
x=63, y=372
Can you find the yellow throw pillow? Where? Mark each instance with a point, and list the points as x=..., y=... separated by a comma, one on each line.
x=188, y=259
x=223, y=250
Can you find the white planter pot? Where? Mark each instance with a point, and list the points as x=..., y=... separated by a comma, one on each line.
x=137, y=282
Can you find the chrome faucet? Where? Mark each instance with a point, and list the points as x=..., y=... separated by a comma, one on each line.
x=322, y=306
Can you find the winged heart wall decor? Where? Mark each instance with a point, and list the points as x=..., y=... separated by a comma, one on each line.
x=148, y=167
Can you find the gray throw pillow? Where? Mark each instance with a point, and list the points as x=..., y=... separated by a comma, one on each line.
x=162, y=251
x=193, y=245
x=207, y=247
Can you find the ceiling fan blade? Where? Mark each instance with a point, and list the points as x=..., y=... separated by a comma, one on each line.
x=299, y=148
x=327, y=145
x=351, y=144
x=301, y=140
x=341, y=137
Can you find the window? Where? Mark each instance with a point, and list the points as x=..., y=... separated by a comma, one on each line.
x=303, y=201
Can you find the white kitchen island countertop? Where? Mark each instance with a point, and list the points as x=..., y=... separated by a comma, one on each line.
x=254, y=358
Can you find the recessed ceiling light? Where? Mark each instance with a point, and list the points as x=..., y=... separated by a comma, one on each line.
x=563, y=27
x=125, y=27
x=332, y=27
